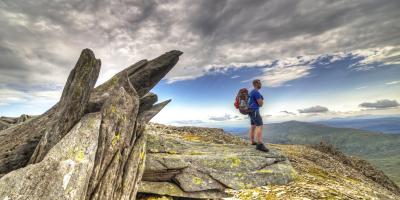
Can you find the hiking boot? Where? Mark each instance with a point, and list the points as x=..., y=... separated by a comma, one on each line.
x=261, y=147
x=253, y=143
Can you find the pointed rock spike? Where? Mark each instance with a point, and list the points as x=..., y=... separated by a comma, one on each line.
x=145, y=78
x=149, y=114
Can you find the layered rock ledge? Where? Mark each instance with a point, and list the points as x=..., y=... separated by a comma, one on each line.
x=192, y=165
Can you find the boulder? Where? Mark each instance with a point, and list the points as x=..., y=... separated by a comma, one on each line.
x=178, y=165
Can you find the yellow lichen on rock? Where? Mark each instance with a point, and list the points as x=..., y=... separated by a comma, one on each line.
x=197, y=181
x=264, y=171
x=80, y=155
x=235, y=161
x=115, y=138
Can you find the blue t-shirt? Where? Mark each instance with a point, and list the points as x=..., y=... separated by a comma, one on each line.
x=253, y=96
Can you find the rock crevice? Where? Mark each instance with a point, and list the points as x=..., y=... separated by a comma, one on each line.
x=202, y=169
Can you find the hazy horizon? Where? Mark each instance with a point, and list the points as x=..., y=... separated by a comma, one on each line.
x=316, y=59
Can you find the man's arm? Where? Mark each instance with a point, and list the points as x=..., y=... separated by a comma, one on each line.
x=260, y=99
x=260, y=102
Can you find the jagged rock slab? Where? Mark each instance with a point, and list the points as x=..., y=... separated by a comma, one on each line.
x=65, y=171
x=72, y=104
x=92, y=144
x=196, y=166
x=17, y=143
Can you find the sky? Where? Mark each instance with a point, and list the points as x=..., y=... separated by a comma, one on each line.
x=317, y=59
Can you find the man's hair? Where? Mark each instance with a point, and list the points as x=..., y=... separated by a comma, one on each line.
x=256, y=81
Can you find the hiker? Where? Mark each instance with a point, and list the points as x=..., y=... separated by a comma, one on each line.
x=256, y=100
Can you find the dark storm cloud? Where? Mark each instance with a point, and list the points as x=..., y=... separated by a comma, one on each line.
x=268, y=21
x=314, y=109
x=40, y=40
x=381, y=104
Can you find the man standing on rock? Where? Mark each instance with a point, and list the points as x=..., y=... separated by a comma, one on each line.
x=256, y=100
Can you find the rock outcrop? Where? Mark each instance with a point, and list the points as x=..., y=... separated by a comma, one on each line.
x=320, y=172
x=90, y=145
x=6, y=122
x=192, y=165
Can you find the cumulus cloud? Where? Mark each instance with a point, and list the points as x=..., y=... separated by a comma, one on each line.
x=225, y=117
x=277, y=76
x=380, y=104
x=314, y=109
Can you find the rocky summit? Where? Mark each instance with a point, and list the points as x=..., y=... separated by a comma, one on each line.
x=97, y=143
x=93, y=144
x=321, y=171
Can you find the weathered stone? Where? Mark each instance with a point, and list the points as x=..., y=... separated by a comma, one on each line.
x=146, y=77
x=17, y=143
x=117, y=146
x=3, y=124
x=118, y=118
x=72, y=104
x=64, y=172
x=171, y=189
x=198, y=166
x=6, y=122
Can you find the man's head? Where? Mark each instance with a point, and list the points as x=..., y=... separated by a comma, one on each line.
x=257, y=83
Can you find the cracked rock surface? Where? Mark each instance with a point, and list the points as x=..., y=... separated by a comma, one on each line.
x=186, y=166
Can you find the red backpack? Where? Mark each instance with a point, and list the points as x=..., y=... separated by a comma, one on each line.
x=242, y=101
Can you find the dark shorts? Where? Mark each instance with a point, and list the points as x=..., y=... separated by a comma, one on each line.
x=255, y=118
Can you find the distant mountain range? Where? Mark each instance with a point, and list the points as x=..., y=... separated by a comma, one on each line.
x=383, y=150
x=388, y=125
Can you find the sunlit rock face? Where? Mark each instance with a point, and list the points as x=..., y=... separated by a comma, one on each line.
x=90, y=145
x=187, y=163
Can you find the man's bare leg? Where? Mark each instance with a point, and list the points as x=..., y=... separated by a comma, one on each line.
x=260, y=146
x=252, y=133
x=259, y=134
